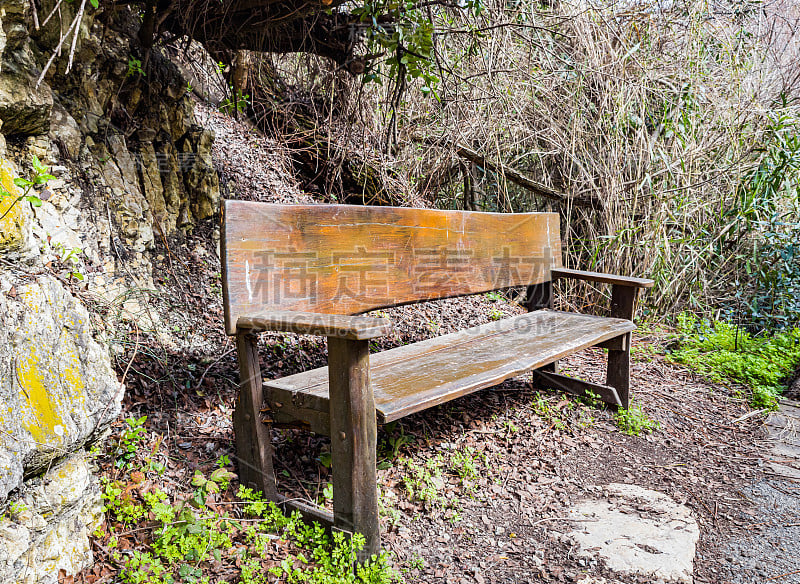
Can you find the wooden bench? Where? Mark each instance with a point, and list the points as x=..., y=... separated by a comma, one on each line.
x=310, y=269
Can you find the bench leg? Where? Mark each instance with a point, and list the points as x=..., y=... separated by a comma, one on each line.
x=550, y=367
x=623, y=305
x=354, y=437
x=253, y=441
x=618, y=374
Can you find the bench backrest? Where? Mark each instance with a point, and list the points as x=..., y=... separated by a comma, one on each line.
x=348, y=259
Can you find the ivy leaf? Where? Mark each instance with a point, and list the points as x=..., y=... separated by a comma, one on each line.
x=222, y=474
x=198, y=480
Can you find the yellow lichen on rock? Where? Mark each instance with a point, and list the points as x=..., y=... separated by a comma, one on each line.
x=13, y=226
x=42, y=417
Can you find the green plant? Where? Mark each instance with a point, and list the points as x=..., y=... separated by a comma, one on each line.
x=14, y=511
x=633, y=421
x=423, y=483
x=408, y=44
x=40, y=177
x=327, y=493
x=724, y=353
x=70, y=258
x=592, y=399
x=494, y=296
x=547, y=412
x=390, y=444
x=120, y=504
x=766, y=211
x=465, y=463
x=134, y=68
x=130, y=439
x=495, y=313
x=217, y=482
x=387, y=510
x=416, y=562
x=235, y=103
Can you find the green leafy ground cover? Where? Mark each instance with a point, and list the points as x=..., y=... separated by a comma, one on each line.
x=723, y=353
x=210, y=532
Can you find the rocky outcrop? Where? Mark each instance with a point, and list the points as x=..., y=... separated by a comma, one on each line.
x=132, y=170
x=15, y=224
x=57, y=385
x=46, y=530
x=24, y=107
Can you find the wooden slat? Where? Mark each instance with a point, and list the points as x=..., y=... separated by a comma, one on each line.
x=348, y=259
x=313, y=323
x=604, y=278
x=415, y=377
x=618, y=373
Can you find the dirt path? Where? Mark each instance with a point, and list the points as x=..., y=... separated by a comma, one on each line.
x=770, y=551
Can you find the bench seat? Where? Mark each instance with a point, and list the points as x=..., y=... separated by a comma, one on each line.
x=415, y=377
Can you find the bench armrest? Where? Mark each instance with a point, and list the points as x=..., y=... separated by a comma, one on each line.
x=314, y=323
x=599, y=277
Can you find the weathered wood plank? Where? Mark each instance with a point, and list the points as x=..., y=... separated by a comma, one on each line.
x=578, y=386
x=415, y=377
x=344, y=259
x=313, y=323
x=604, y=278
x=253, y=441
x=309, y=513
x=618, y=373
x=623, y=301
x=354, y=437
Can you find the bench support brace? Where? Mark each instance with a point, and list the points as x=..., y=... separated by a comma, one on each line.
x=253, y=441
x=354, y=438
x=578, y=386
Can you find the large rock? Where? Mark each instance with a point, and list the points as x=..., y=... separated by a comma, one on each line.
x=57, y=386
x=48, y=524
x=24, y=106
x=65, y=132
x=636, y=531
x=199, y=176
x=130, y=207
